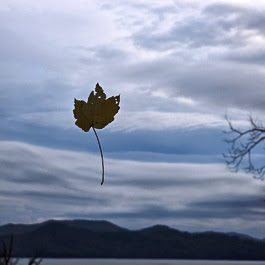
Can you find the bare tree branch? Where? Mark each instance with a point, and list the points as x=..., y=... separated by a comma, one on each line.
x=35, y=259
x=241, y=146
x=6, y=254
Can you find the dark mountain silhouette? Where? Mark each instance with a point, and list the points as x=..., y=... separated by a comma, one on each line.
x=96, y=226
x=242, y=235
x=102, y=239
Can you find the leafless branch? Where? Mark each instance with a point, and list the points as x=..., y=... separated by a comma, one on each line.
x=35, y=261
x=6, y=254
x=241, y=146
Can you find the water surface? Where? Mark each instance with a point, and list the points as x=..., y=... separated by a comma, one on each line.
x=141, y=262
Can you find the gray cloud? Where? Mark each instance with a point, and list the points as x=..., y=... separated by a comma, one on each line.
x=239, y=206
x=226, y=85
x=193, y=34
x=215, y=25
x=226, y=75
x=217, y=83
x=184, y=191
x=244, y=17
x=148, y=79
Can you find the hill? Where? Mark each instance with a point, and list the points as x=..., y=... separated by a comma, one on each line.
x=102, y=239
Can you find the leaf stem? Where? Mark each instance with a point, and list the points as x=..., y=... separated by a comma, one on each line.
x=101, y=153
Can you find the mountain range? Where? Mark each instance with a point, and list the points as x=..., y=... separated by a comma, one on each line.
x=102, y=239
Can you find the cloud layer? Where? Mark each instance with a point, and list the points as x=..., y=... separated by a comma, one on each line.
x=42, y=183
x=202, y=57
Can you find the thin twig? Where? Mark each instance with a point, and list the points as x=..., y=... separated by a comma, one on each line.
x=242, y=144
x=101, y=153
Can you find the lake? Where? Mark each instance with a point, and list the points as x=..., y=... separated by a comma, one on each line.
x=141, y=262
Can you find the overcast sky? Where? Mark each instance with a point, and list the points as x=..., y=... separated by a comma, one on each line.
x=179, y=66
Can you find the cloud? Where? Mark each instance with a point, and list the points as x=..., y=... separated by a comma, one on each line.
x=50, y=183
x=213, y=25
x=245, y=56
x=198, y=46
x=179, y=67
x=189, y=74
x=154, y=120
x=241, y=16
x=215, y=85
x=130, y=120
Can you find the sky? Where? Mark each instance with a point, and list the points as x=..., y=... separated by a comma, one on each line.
x=179, y=67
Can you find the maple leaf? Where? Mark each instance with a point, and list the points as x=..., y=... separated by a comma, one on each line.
x=96, y=113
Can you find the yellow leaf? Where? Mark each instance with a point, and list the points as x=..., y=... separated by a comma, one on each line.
x=97, y=112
